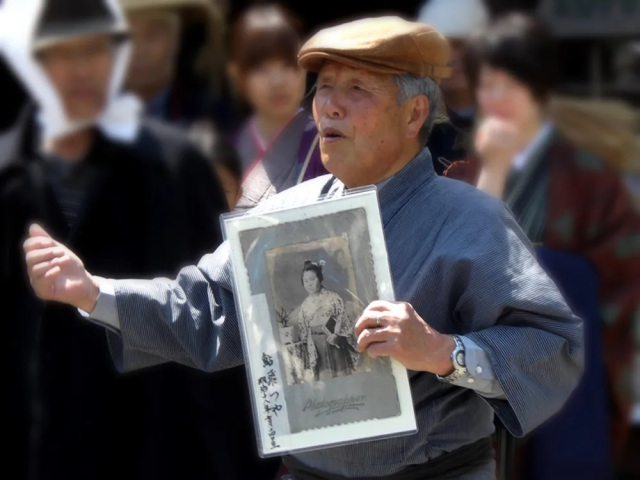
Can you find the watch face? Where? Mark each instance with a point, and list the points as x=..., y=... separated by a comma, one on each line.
x=460, y=358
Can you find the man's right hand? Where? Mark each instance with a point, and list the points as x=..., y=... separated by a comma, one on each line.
x=56, y=273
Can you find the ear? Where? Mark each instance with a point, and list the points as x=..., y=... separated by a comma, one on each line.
x=417, y=111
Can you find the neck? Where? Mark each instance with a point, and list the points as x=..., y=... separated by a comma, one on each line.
x=270, y=127
x=458, y=100
x=73, y=147
x=404, y=158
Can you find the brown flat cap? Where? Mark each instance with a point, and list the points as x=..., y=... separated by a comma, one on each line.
x=383, y=45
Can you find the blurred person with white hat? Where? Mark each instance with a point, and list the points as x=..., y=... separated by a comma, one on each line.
x=457, y=20
x=133, y=195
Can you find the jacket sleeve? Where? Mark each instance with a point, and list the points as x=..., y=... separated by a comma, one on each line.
x=191, y=320
x=512, y=310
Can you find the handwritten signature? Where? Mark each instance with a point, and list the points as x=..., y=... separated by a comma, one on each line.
x=333, y=406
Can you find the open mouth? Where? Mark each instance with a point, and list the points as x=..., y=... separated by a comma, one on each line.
x=331, y=135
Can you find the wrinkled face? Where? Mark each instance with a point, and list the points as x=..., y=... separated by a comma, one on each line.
x=155, y=47
x=458, y=80
x=311, y=282
x=80, y=71
x=359, y=121
x=504, y=96
x=230, y=185
x=275, y=88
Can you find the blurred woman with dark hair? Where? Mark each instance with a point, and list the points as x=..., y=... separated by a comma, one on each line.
x=278, y=144
x=557, y=164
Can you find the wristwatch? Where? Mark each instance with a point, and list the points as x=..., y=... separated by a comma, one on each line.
x=458, y=360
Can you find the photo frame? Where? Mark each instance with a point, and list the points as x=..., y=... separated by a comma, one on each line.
x=303, y=276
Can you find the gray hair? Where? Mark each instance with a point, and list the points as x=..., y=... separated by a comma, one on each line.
x=410, y=86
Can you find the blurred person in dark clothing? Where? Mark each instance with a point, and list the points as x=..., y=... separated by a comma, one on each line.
x=13, y=97
x=557, y=164
x=451, y=138
x=278, y=143
x=177, y=63
x=136, y=198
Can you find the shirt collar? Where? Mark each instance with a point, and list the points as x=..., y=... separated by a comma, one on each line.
x=420, y=167
x=522, y=159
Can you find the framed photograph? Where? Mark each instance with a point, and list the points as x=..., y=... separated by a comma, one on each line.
x=303, y=276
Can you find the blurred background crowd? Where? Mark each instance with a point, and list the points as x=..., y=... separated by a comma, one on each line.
x=542, y=110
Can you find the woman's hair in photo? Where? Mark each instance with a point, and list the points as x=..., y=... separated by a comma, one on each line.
x=521, y=45
x=264, y=32
x=310, y=266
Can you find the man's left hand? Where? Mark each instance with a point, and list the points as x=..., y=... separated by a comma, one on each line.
x=394, y=329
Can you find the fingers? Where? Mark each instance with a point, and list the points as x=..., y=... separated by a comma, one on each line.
x=369, y=317
x=40, y=269
x=52, y=274
x=44, y=286
x=368, y=320
x=35, y=257
x=371, y=336
x=36, y=243
x=382, y=349
x=36, y=230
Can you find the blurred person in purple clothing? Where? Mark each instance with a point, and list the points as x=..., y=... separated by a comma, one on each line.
x=278, y=143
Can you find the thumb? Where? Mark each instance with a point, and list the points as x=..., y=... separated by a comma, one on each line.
x=36, y=230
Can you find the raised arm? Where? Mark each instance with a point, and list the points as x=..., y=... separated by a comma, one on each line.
x=190, y=320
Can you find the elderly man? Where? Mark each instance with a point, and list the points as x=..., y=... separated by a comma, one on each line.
x=481, y=328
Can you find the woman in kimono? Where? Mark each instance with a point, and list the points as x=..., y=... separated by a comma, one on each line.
x=558, y=165
x=278, y=143
x=325, y=327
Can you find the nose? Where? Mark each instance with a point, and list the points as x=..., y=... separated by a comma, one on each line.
x=277, y=78
x=331, y=104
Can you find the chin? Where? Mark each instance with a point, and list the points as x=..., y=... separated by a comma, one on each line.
x=84, y=112
x=82, y=117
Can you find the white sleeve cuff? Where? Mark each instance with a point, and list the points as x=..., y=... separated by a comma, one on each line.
x=105, y=313
x=480, y=375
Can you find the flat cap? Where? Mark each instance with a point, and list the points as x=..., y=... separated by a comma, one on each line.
x=383, y=45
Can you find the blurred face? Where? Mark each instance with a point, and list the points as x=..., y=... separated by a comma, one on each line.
x=155, y=47
x=360, y=123
x=80, y=70
x=230, y=186
x=311, y=282
x=458, y=80
x=505, y=97
x=275, y=88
